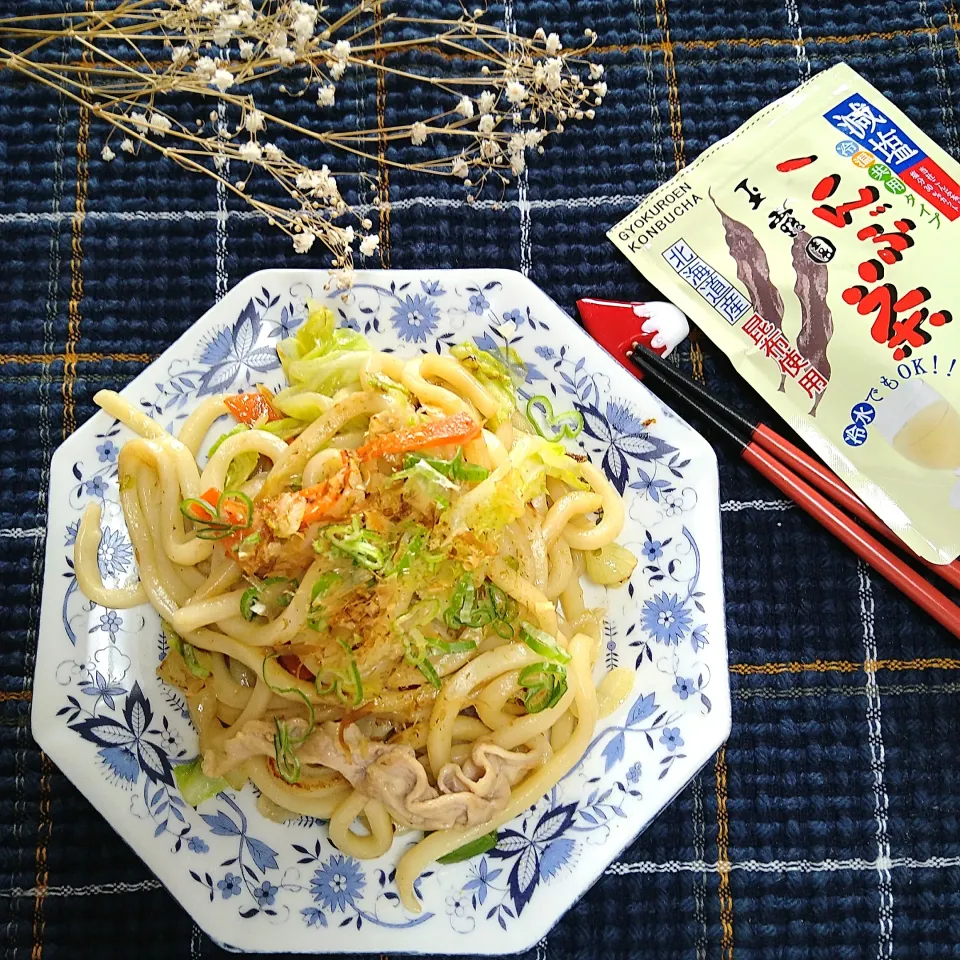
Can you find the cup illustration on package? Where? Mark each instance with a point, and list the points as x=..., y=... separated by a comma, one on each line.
x=924, y=427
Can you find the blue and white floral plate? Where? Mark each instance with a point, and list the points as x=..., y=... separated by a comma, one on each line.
x=116, y=731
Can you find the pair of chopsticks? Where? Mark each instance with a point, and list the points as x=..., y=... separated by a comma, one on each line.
x=811, y=486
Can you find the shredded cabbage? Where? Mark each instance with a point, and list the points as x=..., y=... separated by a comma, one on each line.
x=302, y=406
x=425, y=485
x=495, y=377
x=320, y=357
x=194, y=785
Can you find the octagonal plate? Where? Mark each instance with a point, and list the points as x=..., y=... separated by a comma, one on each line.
x=116, y=731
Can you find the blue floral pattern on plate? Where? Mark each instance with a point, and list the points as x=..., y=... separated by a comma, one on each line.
x=118, y=732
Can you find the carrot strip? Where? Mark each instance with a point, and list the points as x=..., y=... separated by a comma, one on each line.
x=248, y=408
x=460, y=428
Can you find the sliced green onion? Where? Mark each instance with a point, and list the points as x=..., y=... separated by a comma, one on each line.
x=543, y=644
x=187, y=651
x=365, y=547
x=561, y=421
x=237, y=496
x=288, y=764
x=194, y=785
x=339, y=683
x=452, y=646
x=239, y=428
x=430, y=672
x=545, y=683
x=250, y=596
x=191, y=502
x=315, y=618
x=215, y=526
x=287, y=595
x=324, y=582
x=469, y=850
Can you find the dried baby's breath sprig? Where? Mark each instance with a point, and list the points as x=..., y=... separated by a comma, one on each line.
x=141, y=54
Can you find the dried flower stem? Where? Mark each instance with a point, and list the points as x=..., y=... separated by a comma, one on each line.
x=224, y=50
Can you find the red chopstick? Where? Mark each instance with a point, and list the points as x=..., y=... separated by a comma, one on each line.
x=809, y=469
x=753, y=450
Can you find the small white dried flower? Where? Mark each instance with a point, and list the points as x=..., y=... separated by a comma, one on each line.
x=272, y=152
x=212, y=116
x=516, y=93
x=302, y=242
x=205, y=68
x=489, y=149
x=486, y=102
x=366, y=223
x=596, y=71
x=251, y=152
x=460, y=168
x=553, y=44
x=540, y=35
x=517, y=163
x=139, y=119
x=304, y=23
x=348, y=235
x=600, y=89
x=126, y=145
x=539, y=74
x=485, y=70
x=418, y=133
x=341, y=50
x=552, y=69
x=222, y=33
x=212, y=8
x=533, y=137
x=179, y=54
x=516, y=144
x=486, y=124
x=160, y=123
x=222, y=80
x=344, y=278
x=326, y=95
x=465, y=107
x=246, y=50
x=338, y=68
x=106, y=153
x=591, y=114
x=369, y=244
x=254, y=121
x=285, y=55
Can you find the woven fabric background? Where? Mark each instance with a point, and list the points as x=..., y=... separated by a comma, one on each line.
x=829, y=825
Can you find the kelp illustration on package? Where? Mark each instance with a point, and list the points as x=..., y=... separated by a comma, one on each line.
x=815, y=247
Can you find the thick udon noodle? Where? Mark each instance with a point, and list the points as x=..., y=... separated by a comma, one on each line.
x=473, y=738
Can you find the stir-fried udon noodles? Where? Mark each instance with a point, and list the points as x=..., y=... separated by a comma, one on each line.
x=371, y=591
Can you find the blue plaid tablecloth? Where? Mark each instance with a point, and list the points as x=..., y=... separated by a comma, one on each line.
x=829, y=825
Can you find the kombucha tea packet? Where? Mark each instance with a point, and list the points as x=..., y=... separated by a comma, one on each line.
x=817, y=247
